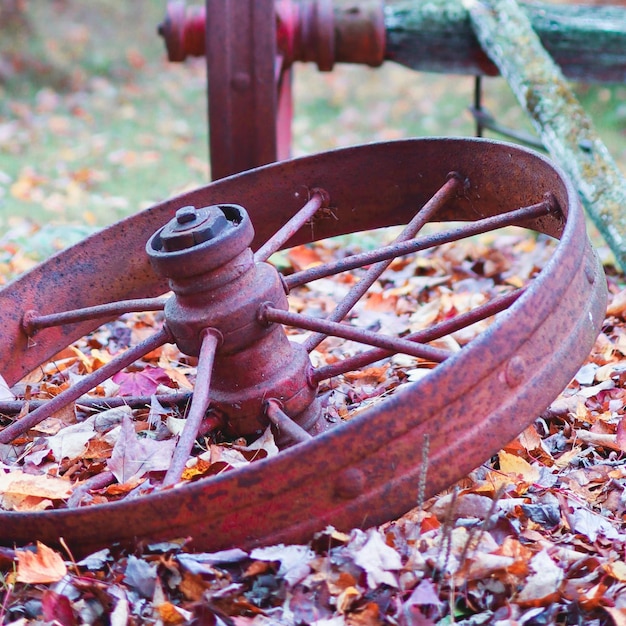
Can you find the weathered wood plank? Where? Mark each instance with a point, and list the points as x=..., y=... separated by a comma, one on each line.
x=588, y=42
x=505, y=31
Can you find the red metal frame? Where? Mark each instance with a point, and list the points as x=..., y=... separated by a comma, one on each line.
x=250, y=47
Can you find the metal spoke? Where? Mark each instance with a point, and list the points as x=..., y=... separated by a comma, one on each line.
x=318, y=200
x=199, y=406
x=10, y=407
x=269, y=314
x=84, y=385
x=451, y=187
x=421, y=243
x=437, y=331
x=33, y=321
x=284, y=423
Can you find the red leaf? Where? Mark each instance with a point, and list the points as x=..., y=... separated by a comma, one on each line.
x=57, y=608
x=143, y=383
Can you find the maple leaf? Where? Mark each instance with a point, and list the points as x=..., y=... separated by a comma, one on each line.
x=141, y=576
x=133, y=457
x=43, y=566
x=591, y=525
x=142, y=383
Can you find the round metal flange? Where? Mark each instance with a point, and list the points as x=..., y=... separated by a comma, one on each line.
x=367, y=470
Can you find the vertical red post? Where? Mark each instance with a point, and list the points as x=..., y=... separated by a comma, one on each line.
x=241, y=46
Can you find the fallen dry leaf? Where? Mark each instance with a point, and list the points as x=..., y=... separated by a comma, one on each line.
x=43, y=566
x=133, y=457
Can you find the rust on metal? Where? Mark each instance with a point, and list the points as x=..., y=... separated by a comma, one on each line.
x=199, y=405
x=33, y=322
x=361, y=335
x=369, y=463
x=250, y=47
x=401, y=248
x=220, y=288
x=241, y=57
x=453, y=185
x=319, y=199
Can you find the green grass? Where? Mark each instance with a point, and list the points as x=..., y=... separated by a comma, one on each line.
x=95, y=123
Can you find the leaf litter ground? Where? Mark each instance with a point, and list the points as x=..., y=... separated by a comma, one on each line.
x=533, y=536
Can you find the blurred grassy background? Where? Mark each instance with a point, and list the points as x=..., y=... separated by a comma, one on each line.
x=95, y=123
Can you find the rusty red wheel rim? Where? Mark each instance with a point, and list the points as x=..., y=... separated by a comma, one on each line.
x=367, y=470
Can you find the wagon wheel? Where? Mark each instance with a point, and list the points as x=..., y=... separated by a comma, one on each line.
x=366, y=470
x=250, y=47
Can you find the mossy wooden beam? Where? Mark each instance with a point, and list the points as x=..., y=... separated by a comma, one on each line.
x=506, y=33
x=588, y=42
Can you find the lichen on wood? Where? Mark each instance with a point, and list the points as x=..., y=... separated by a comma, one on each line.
x=507, y=36
x=588, y=42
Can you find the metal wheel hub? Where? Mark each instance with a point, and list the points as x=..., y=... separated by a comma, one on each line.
x=218, y=287
x=228, y=307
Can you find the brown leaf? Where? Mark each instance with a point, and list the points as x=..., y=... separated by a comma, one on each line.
x=43, y=566
x=142, y=383
x=369, y=615
x=620, y=435
x=616, y=569
x=192, y=586
x=303, y=257
x=601, y=440
x=171, y=614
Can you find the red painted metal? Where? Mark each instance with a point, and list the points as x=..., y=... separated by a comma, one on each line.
x=218, y=287
x=250, y=46
x=183, y=30
x=211, y=339
x=321, y=31
x=241, y=53
x=467, y=407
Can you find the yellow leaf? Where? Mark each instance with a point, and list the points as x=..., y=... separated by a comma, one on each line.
x=517, y=466
x=43, y=566
x=43, y=486
x=347, y=598
x=616, y=569
x=530, y=439
x=171, y=614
